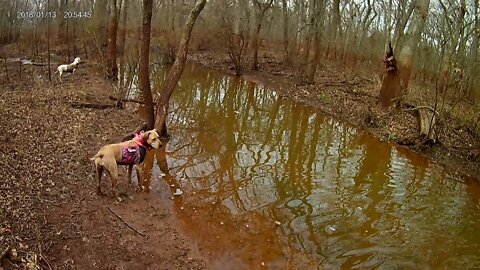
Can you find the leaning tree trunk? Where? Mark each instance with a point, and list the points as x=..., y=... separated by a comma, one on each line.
x=176, y=71
x=112, y=69
x=143, y=76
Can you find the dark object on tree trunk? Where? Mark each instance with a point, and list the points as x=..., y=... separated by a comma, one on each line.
x=390, y=90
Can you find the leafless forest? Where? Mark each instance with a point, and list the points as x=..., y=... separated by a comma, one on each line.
x=406, y=70
x=434, y=43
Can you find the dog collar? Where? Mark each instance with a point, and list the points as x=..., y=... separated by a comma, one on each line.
x=140, y=139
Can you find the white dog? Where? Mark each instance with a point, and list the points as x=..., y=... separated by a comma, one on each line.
x=68, y=68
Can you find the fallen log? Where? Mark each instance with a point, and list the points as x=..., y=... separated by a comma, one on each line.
x=427, y=124
x=127, y=100
x=80, y=105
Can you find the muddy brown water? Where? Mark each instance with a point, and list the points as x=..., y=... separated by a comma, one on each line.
x=272, y=184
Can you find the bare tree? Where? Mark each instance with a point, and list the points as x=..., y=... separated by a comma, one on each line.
x=62, y=30
x=48, y=44
x=123, y=26
x=411, y=44
x=231, y=32
x=474, y=82
x=177, y=69
x=260, y=10
x=144, y=74
x=391, y=81
x=317, y=33
x=286, y=54
x=112, y=69
x=100, y=20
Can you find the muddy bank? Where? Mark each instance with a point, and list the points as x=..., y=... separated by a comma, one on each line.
x=51, y=216
x=352, y=96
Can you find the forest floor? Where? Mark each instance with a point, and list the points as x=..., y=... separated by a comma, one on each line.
x=351, y=94
x=51, y=217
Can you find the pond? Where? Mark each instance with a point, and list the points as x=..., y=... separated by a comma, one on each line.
x=272, y=184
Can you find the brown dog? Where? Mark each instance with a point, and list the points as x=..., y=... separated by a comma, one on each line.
x=131, y=152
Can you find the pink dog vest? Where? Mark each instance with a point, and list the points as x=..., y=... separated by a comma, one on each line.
x=134, y=154
x=130, y=155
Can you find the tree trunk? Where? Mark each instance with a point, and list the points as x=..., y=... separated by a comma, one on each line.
x=318, y=29
x=48, y=45
x=112, y=69
x=255, y=44
x=176, y=71
x=123, y=27
x=307, y=43
x=336, y=25
x=100, y=20
x=387, y=28
x=286, y=55
x=261, y=9
x=61, y=20
x=406, y=59
x=391, y=81
x=402, y=20
x=474, y=90
x=143, y=76
x=427, y=125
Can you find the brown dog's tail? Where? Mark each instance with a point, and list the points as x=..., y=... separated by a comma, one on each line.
x=97, y=155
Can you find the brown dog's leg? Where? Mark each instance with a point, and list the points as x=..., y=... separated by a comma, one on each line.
x=113, y=173
x=99, y=177
x=140, y=179
x=130, y=173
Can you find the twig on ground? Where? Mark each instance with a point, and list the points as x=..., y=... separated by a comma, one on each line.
x=44, y=259
x=4, y=252
x=422, y=107
x=80, y=105
x=128, y=225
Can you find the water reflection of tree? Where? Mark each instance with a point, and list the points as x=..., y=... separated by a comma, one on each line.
x=370, y=182
x=252, y=156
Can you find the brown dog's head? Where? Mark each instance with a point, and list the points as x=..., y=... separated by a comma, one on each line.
x=152, y=138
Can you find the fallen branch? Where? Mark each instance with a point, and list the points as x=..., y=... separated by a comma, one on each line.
x=92, y=105
x=427, y=125
x=422, y=107
x=128, y=225
x=45, y=260
x=128, y=100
